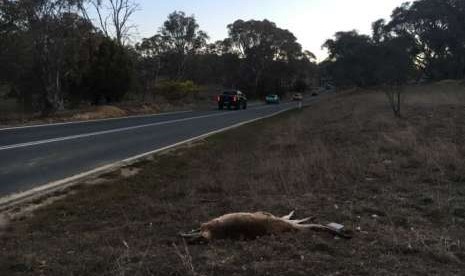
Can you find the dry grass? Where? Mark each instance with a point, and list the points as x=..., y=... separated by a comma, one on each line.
x=10, y=115
x=444, y=92
x=100, y=112
x=397, y=183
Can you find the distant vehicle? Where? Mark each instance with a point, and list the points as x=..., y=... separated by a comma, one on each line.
x=297, y=97
x=232, y=98
x=272, y=99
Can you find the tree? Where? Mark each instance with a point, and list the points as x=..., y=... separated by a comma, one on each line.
x=172, y=51
x=261, y=44
x=383, y=59
x=14, y=47
x=48, y=26
x=110, y=74
x=379, y=33
x=182, y=39
x=438, y=29
x=149, y=64
x=352, y=59
x=114, y=18
x=48, y=48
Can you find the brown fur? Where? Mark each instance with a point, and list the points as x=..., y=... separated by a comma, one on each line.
x=246, y=225
x=251, y=226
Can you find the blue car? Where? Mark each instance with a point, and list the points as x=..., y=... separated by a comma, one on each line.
x=272, y=99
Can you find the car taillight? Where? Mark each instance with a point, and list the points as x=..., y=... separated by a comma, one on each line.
x=218, y=98
x=235, y=99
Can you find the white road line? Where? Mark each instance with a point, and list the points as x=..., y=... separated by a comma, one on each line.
x=85, y=135
x=103, y=120
x=97, y=120
x=73, y=137
x=11, y=200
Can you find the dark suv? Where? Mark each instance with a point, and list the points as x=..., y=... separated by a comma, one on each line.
x=232, y=98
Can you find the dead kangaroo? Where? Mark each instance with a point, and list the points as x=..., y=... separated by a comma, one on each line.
x=253, y=225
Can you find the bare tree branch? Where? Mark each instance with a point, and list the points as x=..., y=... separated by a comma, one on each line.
x=114, y=18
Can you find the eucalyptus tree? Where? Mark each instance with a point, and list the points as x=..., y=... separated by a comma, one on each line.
x=438, y=31
x=43, y=35
x=113, y=17
x=150, y=62
x=182, y=39
x=263, y=45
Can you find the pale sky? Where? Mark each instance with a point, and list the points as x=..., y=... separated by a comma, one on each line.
x=311, y=21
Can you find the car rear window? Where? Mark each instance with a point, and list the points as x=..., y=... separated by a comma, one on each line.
x=229, y=93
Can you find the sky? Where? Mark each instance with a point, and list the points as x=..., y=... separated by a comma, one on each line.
x=311, y=21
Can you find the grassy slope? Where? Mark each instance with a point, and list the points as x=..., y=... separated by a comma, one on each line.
x=399, y=184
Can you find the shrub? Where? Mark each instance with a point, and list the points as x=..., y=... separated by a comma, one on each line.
x=177, y=90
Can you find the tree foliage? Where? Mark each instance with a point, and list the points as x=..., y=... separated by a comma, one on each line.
x=109, y=76
x=424, y=39
x=359, y=60
x=54, y=55
x=272, y=56
x=438, y=31
x=48, y=49
x=257, y=56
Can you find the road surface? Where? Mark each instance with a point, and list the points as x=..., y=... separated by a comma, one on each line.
x=34, y=156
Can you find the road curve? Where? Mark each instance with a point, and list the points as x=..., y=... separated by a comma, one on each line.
x=34, y=156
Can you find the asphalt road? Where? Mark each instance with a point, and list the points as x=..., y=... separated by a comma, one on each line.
x=34, y=156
